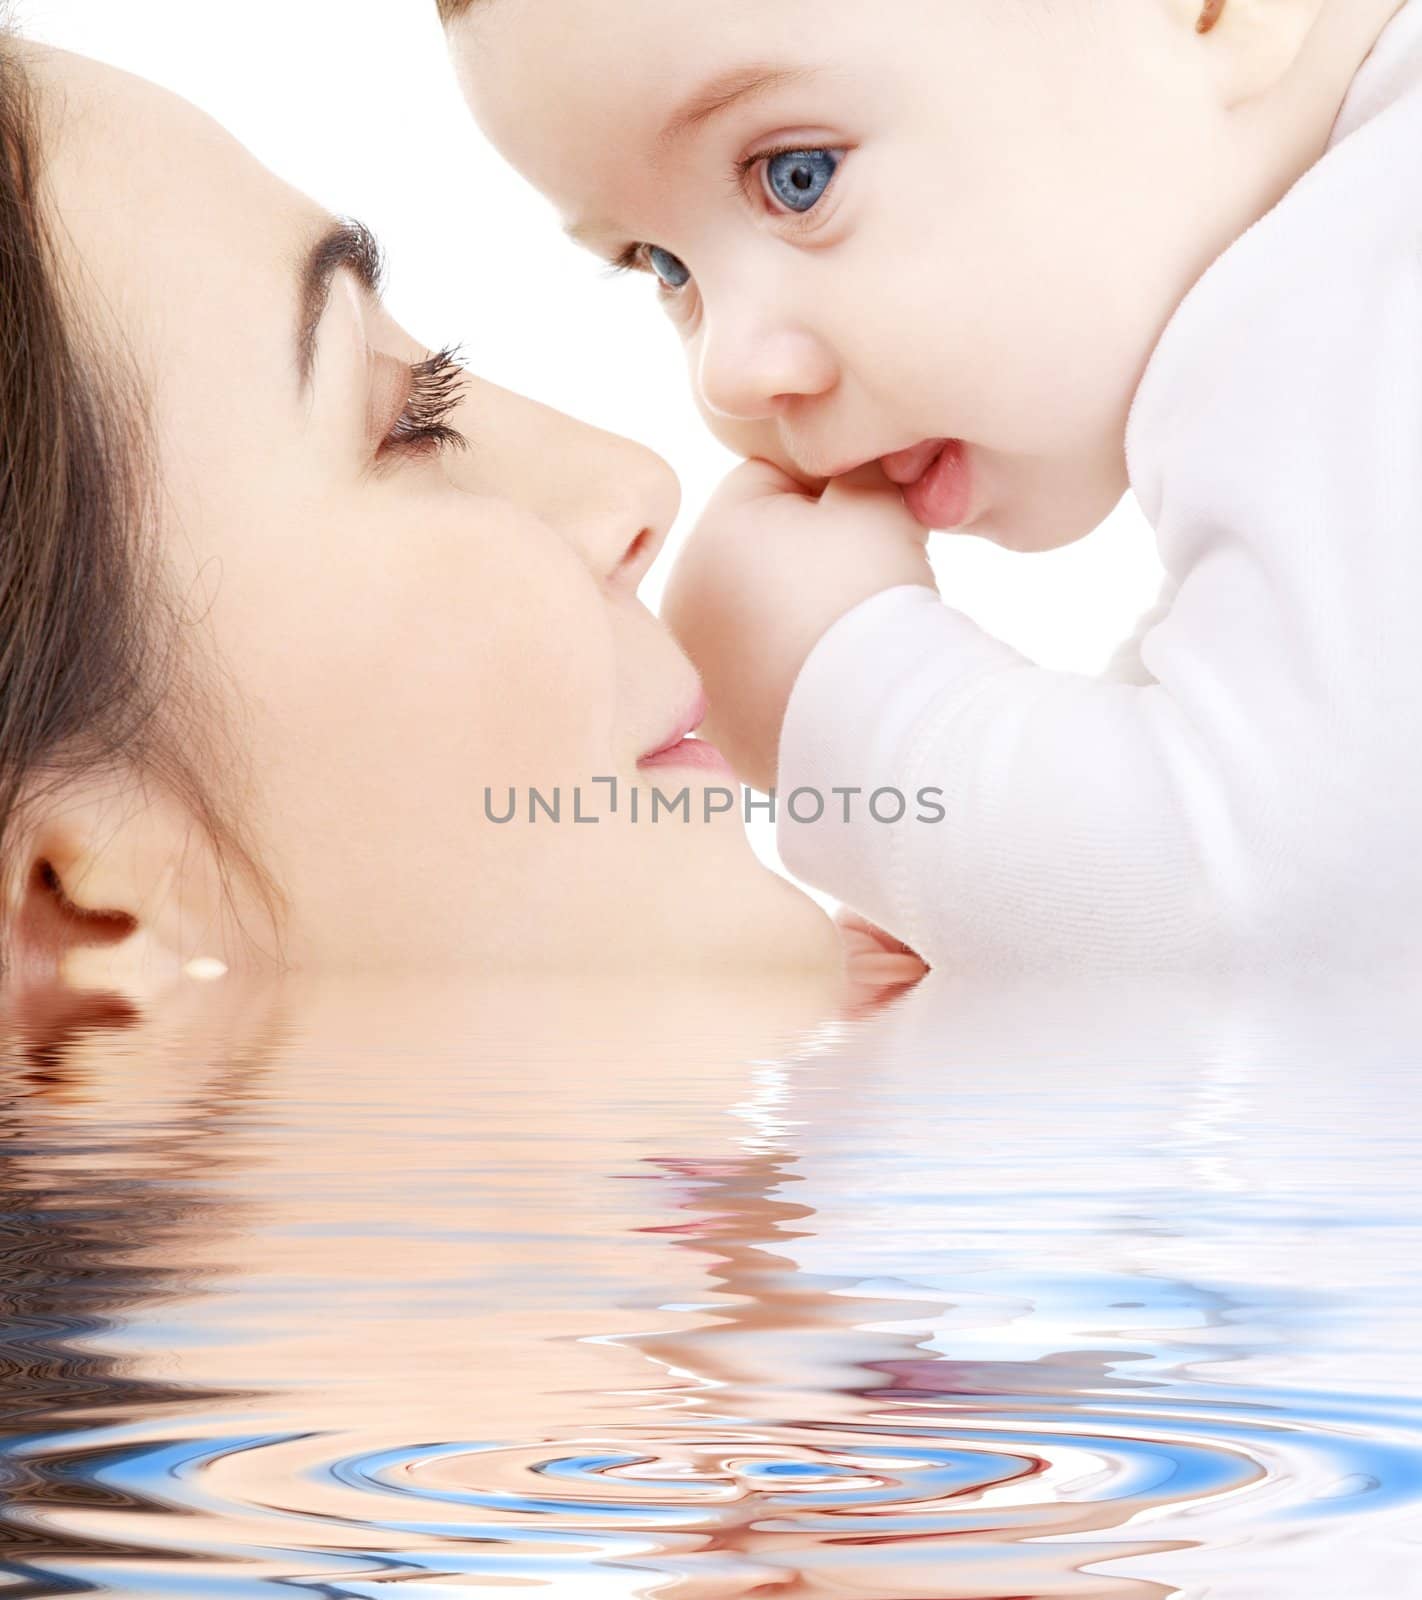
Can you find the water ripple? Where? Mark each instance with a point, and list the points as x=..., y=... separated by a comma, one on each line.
x=909, y=1473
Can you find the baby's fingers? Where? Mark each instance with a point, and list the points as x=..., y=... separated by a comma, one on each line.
x=757, y=480
x=869, y=476
x=877, y=965
x=866, y=938
x=866, y=492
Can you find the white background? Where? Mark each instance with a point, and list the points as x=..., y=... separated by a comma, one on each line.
x=353, y=101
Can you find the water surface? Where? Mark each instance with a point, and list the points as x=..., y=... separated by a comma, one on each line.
x=1000, y=1294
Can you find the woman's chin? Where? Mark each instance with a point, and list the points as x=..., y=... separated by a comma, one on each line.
x=769, y=930
x=811, y=941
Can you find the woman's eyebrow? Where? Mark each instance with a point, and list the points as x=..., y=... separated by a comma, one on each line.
x=344, y=244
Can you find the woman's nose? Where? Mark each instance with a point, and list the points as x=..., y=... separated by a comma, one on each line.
x=650, y=509
x=749, y=368
x=613, y=501
x=616, y=504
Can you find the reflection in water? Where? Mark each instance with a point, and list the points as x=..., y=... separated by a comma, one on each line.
x=1020, y=1293
x=829, y=1479
x=88, y=1200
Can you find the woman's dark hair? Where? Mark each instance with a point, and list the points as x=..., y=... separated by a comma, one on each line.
x=94, y=679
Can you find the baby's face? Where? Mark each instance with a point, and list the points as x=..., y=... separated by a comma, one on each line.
x=880, y=227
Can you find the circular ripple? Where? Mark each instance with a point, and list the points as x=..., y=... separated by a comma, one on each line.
x=959, y=1478
x=904, y=1476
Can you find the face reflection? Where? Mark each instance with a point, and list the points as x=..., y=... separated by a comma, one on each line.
x=876, y=227
x=393, y=1278
x=414, y=584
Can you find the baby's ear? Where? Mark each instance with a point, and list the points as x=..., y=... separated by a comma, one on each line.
x=1252, y=45
x=107, y=883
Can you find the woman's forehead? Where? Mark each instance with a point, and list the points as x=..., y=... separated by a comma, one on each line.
x=166, y=215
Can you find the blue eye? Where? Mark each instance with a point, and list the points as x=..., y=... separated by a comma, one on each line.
x=666, y=266
x=798, y=178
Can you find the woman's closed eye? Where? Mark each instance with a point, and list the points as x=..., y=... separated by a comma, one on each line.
x=433, y=389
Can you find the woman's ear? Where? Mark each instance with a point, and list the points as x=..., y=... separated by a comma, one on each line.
x=110, y=887
x=39, y=1027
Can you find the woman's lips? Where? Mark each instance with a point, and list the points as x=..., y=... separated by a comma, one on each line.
x=694, y=753
x=681, y=749
x=936, y=481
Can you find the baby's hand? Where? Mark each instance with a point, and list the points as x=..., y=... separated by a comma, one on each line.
x=766, y=572
x=877, y=965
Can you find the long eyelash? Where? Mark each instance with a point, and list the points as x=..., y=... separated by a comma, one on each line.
x=435, y=388
x=631, y=260
x=740, y=172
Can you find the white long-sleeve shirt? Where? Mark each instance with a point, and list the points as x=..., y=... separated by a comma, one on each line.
x=1254, y=794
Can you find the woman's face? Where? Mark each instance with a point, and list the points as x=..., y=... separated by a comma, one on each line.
x=398, y=626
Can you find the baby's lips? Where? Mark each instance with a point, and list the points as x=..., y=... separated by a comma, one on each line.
x=908, y=466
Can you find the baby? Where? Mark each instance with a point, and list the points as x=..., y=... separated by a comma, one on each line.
x=945, y=264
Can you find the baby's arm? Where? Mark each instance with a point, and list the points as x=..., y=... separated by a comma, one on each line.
x=1126, y=665
x=1080, y=823
x=1209, y=817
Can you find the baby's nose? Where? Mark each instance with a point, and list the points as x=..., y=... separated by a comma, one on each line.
x=748, y=371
